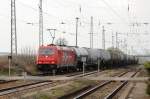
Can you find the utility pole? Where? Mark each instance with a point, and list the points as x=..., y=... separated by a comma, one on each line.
x=13, y=51
x=127, y=43
x=52, y=35
x=63, y=30
x=119, y=44
x=103, y=37
x=77, y=20
x=40, y=23
x=116, y=40
x=13, y=28
x=112, y=40
x=91, y=33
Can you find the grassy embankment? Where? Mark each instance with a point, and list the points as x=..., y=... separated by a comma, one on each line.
x=61, y=91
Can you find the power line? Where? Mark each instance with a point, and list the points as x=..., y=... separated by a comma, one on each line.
x=6, y=17
x=113, y=10
x=45, y=13
x=35, y=9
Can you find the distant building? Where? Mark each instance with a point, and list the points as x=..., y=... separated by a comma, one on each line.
x=4, y=53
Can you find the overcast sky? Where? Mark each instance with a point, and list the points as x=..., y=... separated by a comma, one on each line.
x=121, y=13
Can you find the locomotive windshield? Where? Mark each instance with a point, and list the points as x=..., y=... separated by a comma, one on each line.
x=46, y=51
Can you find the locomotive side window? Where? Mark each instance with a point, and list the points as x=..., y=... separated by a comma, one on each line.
x=46, y=51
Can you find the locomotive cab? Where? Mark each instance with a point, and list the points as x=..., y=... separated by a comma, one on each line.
x=52, y=57
x=47, y=57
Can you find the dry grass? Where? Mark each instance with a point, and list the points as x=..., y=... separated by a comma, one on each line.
x=25, y=61
x=3, y=62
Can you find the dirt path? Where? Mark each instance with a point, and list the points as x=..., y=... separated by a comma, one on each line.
x=139, y=91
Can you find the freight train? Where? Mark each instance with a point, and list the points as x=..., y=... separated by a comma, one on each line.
x=54, y=57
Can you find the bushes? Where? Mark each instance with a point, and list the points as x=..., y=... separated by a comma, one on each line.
x=148, y=89
x=147, y=67
x=3, y=61
x=5, y=71
x=26, y=60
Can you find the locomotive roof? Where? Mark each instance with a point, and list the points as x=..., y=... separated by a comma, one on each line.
x=58, y=47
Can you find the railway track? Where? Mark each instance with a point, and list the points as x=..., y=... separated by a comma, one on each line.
x=88, y=73
x=85, y=92
x=24, y=87
x=7, y=81
x=43, y=84
x=108, y=91
x=13, y=83
x=19, y=88
x=115, y=91
x=81, y=74
x=65, y=74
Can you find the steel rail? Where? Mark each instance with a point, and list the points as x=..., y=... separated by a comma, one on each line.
x=14, y=89
x=5, y=81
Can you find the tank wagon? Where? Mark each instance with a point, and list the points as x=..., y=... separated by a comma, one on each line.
x=53, y=57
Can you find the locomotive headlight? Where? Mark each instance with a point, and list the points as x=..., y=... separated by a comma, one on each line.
x=52, y=62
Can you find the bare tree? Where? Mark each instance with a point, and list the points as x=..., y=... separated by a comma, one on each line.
x=111, y=49
x=27, y=58
x=61, y=41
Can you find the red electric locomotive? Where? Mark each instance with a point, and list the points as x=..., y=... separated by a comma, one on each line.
x=53, y=57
